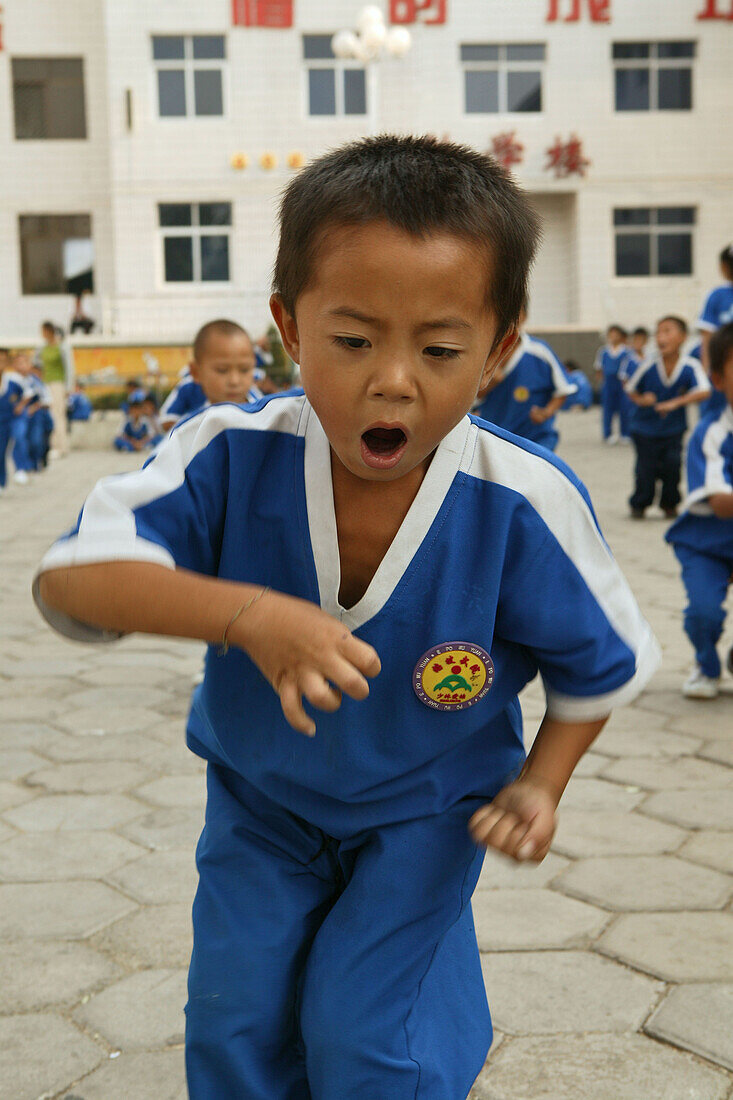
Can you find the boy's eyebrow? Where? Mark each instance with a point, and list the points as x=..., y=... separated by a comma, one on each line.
x=443, y=322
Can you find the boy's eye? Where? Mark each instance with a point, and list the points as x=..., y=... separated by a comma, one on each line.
x=437, y=352
x=354, y=342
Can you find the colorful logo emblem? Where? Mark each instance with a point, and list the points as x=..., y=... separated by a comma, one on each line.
x=453, y=676
x=521, y=393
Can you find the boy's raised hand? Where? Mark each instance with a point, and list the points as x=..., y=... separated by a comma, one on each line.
x=520, y=822
x=303, y=651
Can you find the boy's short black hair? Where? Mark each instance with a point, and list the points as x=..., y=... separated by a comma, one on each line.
x=679, y=321
x=720, y=348
x=640, y=331
x=420, y=185
x=47, y=324
x=618, y=328
x=220, y=327
x=726, y=259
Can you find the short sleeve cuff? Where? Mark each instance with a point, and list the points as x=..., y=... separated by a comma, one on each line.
x=706, y=326
x=590, y=708
x=699, y=496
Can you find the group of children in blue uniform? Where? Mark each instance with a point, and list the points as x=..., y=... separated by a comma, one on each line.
x=26, y=422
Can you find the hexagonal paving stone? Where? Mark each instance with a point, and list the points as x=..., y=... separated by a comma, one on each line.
x=686, y=772
x=158, y=877
x=533, y=992
x=720, y=751
x=646, y=882
x=75, y=811
x=87, y=777
x=175, y=790
x=42, y=1054
x=137, y=1077
x=13, y=794
x=118, y=698
x=156, y=935
x=34, y=974
x=615, y=1067
x=590, y=765
x=173, y=827
x=499, y=871
x=15, y=763
x=60, y=910
x=641, y=741
x=39, y=857
x=28, y=735
x=710, y=847
x=679, y=947
x=70, y=748
x=598, y=795
x=104, y=720
x=582, y=833
x=141, y=1011
x=510, y=919
x=698, y=1017
x=708, y=809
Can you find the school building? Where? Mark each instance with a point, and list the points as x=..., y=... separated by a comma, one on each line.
x=144, y=145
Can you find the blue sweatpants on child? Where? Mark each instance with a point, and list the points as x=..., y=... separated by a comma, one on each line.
x=327, y=968
x=706, y=578
x=19, y=433
x=614, y=402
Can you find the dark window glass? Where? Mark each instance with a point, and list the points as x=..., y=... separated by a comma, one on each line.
x=624, y=50
x=214, y=259
x=56, y=253
x=207, y=92
x=524, y=91
x=178, y=253
x=354, y=92
x=479, y=53
x=675, y=89
x=633, y=254
x=215, y=213
x=168, y=47
x=676, y=215
x=482, y=92
x=637, y=215
x=207, y=47
x=48, y=98
x=632, y=89
x=174, y=213
x=674, y=252
x=171, y=93
x=526, y=52
x=317, y=47
x=321, y=92
x=675, y=49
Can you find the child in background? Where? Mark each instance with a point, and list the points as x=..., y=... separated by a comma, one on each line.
x=345, y=534
x=582, y=399
x=19, y=430
x=224, y=364
x=661, y=389
x=12, y=392
x=185, y=398
x=57, y=373
x=717, y=310
x=702, y=538
x=78, y=405
x=524, y=396
x=150, y=412
x=136, y=434
x=610, y=363
x=40, y=423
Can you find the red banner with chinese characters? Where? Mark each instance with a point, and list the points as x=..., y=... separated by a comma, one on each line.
x=713, y=10
x=569, y=11
x=262, y=13
x=418, y=11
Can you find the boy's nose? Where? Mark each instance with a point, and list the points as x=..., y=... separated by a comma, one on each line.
x=393, y=380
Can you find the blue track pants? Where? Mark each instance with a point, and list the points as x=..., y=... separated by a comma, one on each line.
x=706, y=580
x=328, y=969
x=614, y=402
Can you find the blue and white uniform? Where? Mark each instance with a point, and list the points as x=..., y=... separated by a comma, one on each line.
x=40, y=422
x=78, y=407
x=702, y=542
x=717, y=310
x=12, y=390
x=185, y=398
x=140, y=430
x=532, y=377
x=303, y=981
x=583, y=396
x=612, y=363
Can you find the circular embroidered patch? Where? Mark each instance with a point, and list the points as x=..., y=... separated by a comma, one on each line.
x=453, y=676
x=521, y=393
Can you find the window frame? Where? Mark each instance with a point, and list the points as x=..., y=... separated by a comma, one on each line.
x=339, y=66
x=85, y=107
x=190, y=64
x=652, y=64
x=655, y=229
x=55, y=214
x=503, y=66
x=195, y=231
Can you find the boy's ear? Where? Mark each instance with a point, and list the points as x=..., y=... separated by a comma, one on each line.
x=501, y=354
x=288, y=327
x=195, y=371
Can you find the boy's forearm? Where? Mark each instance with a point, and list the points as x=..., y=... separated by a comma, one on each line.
x=722, y=505
x=129, y=597
x=556, y=751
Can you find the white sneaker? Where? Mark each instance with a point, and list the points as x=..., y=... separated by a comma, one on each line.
x=612, y=440
x=21, y=477
x=700, y=686
x=626, y=440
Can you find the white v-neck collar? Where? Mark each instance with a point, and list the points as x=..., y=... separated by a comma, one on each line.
x=668, y=380
x=415, y=526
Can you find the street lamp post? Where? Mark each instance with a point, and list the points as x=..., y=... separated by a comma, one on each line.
x=371, y=41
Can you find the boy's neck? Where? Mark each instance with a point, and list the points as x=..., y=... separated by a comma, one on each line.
x=670, y=361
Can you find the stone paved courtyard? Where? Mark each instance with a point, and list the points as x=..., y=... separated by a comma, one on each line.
x=609, y=968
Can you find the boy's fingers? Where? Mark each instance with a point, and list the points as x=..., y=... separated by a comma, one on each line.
x=292, y=707
x=343, y=674
x=360, y=654
x=318, y=691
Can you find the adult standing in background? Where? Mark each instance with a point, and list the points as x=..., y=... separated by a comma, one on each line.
x=717, y=310
x=80, y=322
x=57, y=375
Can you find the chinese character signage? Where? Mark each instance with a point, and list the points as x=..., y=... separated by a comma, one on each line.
x=418, y=11
x=506, y=149
x=262, y=13
x=565, y=158
x=571, y=11
x=713, y=9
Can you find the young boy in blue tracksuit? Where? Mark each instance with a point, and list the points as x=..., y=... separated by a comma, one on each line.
x=661, y=389
x=702, y=538
x=367, y=552
x=524, y=396
x=611, y=361
x=137, y=433
x=716, y=310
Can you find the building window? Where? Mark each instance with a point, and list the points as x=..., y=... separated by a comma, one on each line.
x=653, y=76
x=48, y=98
x=654, y=241
x=335, y=86
x=502, y=78
x=195, y=238
x=56, y=253
x=189, y=70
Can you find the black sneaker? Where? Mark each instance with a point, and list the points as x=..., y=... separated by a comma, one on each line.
x=637, y=513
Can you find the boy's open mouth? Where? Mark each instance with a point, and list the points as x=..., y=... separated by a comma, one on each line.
x=381, y=447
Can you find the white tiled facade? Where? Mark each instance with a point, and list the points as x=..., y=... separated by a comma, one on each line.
x=119, y=175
